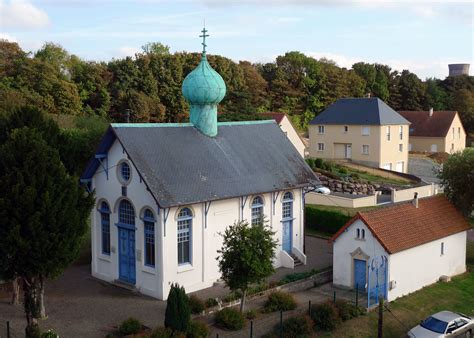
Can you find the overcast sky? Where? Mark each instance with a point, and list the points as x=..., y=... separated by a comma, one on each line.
x=422, y=36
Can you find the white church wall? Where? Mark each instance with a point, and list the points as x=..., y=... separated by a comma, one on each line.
x=347, y=243
x=420, y=266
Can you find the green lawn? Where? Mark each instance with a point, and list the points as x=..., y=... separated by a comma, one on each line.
x=374, y=178
x=458, y=295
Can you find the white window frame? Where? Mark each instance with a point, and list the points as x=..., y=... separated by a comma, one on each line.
x=321, y=129
x=365, y=130
x=388, y=133
x=368, y=149
x=321, y=146
x=400, y=147
x=400, y=132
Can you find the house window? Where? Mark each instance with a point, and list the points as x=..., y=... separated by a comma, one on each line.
x=452, y=147
x=125, y=171
x=388, y=133
x=185, y=218
x=365, y=130
x=346, y=129
x=400, y=147
x=126, y=213
x=459, y=133
x=363, y=233
x=321, y=129
x=105, y=223
x=149, y=231
x=442, y=248
x=453, y=133
x=287, y=208
x=320, y=146
x=257, y=210
x=360, y=233
x=400, y=132
x=365, y=149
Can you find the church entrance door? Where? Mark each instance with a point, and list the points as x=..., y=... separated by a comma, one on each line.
x=127, y=255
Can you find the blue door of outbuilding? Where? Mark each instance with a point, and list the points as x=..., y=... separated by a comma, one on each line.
x=127, y=255
x=359, y=274
x=287, y=230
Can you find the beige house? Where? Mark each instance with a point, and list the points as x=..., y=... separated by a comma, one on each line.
x=435, y=131
x=288, y=129
x=362, y=130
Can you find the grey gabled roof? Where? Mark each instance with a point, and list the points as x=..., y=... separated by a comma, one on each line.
x=359, y=111
x=182, y=166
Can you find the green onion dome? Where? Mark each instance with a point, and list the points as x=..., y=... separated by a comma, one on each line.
x=203, y=86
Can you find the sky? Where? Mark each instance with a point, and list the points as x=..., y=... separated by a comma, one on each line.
x=419, y=35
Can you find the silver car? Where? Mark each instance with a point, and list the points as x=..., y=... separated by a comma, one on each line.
x=444, y=324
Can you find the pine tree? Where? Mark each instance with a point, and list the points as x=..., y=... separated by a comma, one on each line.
x=178, y=313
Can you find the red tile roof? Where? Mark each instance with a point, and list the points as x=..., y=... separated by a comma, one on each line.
x=278, y=117
x=403, y=226
x=422, y=124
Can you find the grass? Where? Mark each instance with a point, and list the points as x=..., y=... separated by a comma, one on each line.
x=457, y=295
x=374, y=178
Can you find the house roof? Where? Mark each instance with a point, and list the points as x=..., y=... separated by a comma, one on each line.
x=422, y=124
x=403, y=226
x=182, y=166
x=278, y=117
x=359, y=111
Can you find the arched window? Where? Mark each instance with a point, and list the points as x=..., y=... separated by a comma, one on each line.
x=149, y=231
x=105, y=224
x=358, y=233
x=125, y=171
x=287, y=208
x=126, y=213
x=257, y=210
x=185, y=219
x=363, y=234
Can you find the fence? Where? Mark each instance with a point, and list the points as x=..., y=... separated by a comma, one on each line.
x=345, y=202
x=408, y=194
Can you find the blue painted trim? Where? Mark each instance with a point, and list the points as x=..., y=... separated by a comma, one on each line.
x=145, y=233
x=100, y=158
x=149, y=219
x=243, y=202
x=126, y=226
x=274, y=198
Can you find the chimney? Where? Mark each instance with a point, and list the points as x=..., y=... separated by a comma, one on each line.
x=415, y=200
x=431, y=111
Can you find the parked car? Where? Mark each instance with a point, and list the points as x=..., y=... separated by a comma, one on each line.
x=322, y=190
x=444, y=324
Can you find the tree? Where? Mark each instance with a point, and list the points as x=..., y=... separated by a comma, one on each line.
x=44, y=216
x=178, y=313
x=457, y=178
x=463, y=102
x=155, y=48
x=246, y=256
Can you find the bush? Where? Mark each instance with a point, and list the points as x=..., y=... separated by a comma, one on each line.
x=347, y=310
x=325, y=316
x=355, y=176
x=230, y=319
x=178, y=314
x=319, y=163
x=310, y=162
x=162, y=332
x=196, y=305
x=130, y=326
x=33, y=331
x=327, y=221
x=297, y=276
x=342, y=171
x=49, y=334
x=280, y=301
x=210, y=302
x=299, y=326
x=251, y=314
x=197, y=329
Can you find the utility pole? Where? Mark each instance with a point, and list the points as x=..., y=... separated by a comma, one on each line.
x=380, y=327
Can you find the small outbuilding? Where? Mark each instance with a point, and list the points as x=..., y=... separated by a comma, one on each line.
x=396, y=250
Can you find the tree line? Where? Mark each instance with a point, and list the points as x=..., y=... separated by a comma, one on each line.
x=148, y=85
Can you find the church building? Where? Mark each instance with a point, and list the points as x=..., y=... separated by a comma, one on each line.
x=165, y=191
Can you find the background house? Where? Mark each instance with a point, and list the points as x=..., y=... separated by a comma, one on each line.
x=413, y=244
x=435, y=131
x=289, y=130
x=363, y=130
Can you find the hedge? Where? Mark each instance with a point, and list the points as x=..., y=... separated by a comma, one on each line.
x=324, y=220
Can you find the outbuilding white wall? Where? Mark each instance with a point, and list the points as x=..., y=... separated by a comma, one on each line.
x=420, y=266
x=292, y=135
x=347, y=243
x=203, y=270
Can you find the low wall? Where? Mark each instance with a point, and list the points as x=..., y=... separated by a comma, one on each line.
x=332, y=200
x=408, y=194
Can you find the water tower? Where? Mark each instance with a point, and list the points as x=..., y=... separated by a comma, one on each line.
x=457, y=69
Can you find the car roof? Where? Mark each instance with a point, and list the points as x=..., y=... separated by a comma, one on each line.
x=446, y=316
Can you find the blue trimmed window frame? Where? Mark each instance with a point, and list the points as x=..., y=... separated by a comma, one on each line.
x=184, y=236
x=257, y=210
x=105, y=227
x=126, y=213
x=149, y=237
x=287, y=206
x=125, y=171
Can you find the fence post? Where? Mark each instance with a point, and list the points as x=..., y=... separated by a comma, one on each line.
x=8, y=329
x=251, y=328
x=357, y=294
x=281, y=324
x=334, y=300
x=309, y=308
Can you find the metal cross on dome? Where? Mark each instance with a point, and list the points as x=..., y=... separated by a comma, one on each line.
x=203, y=43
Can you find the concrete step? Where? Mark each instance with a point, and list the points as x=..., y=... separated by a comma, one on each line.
x=296, y=260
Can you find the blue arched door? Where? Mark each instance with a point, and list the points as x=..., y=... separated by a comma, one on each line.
x=359, y=274
x=126, y=233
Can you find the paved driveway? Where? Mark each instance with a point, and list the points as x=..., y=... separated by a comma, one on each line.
x=424, y=168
